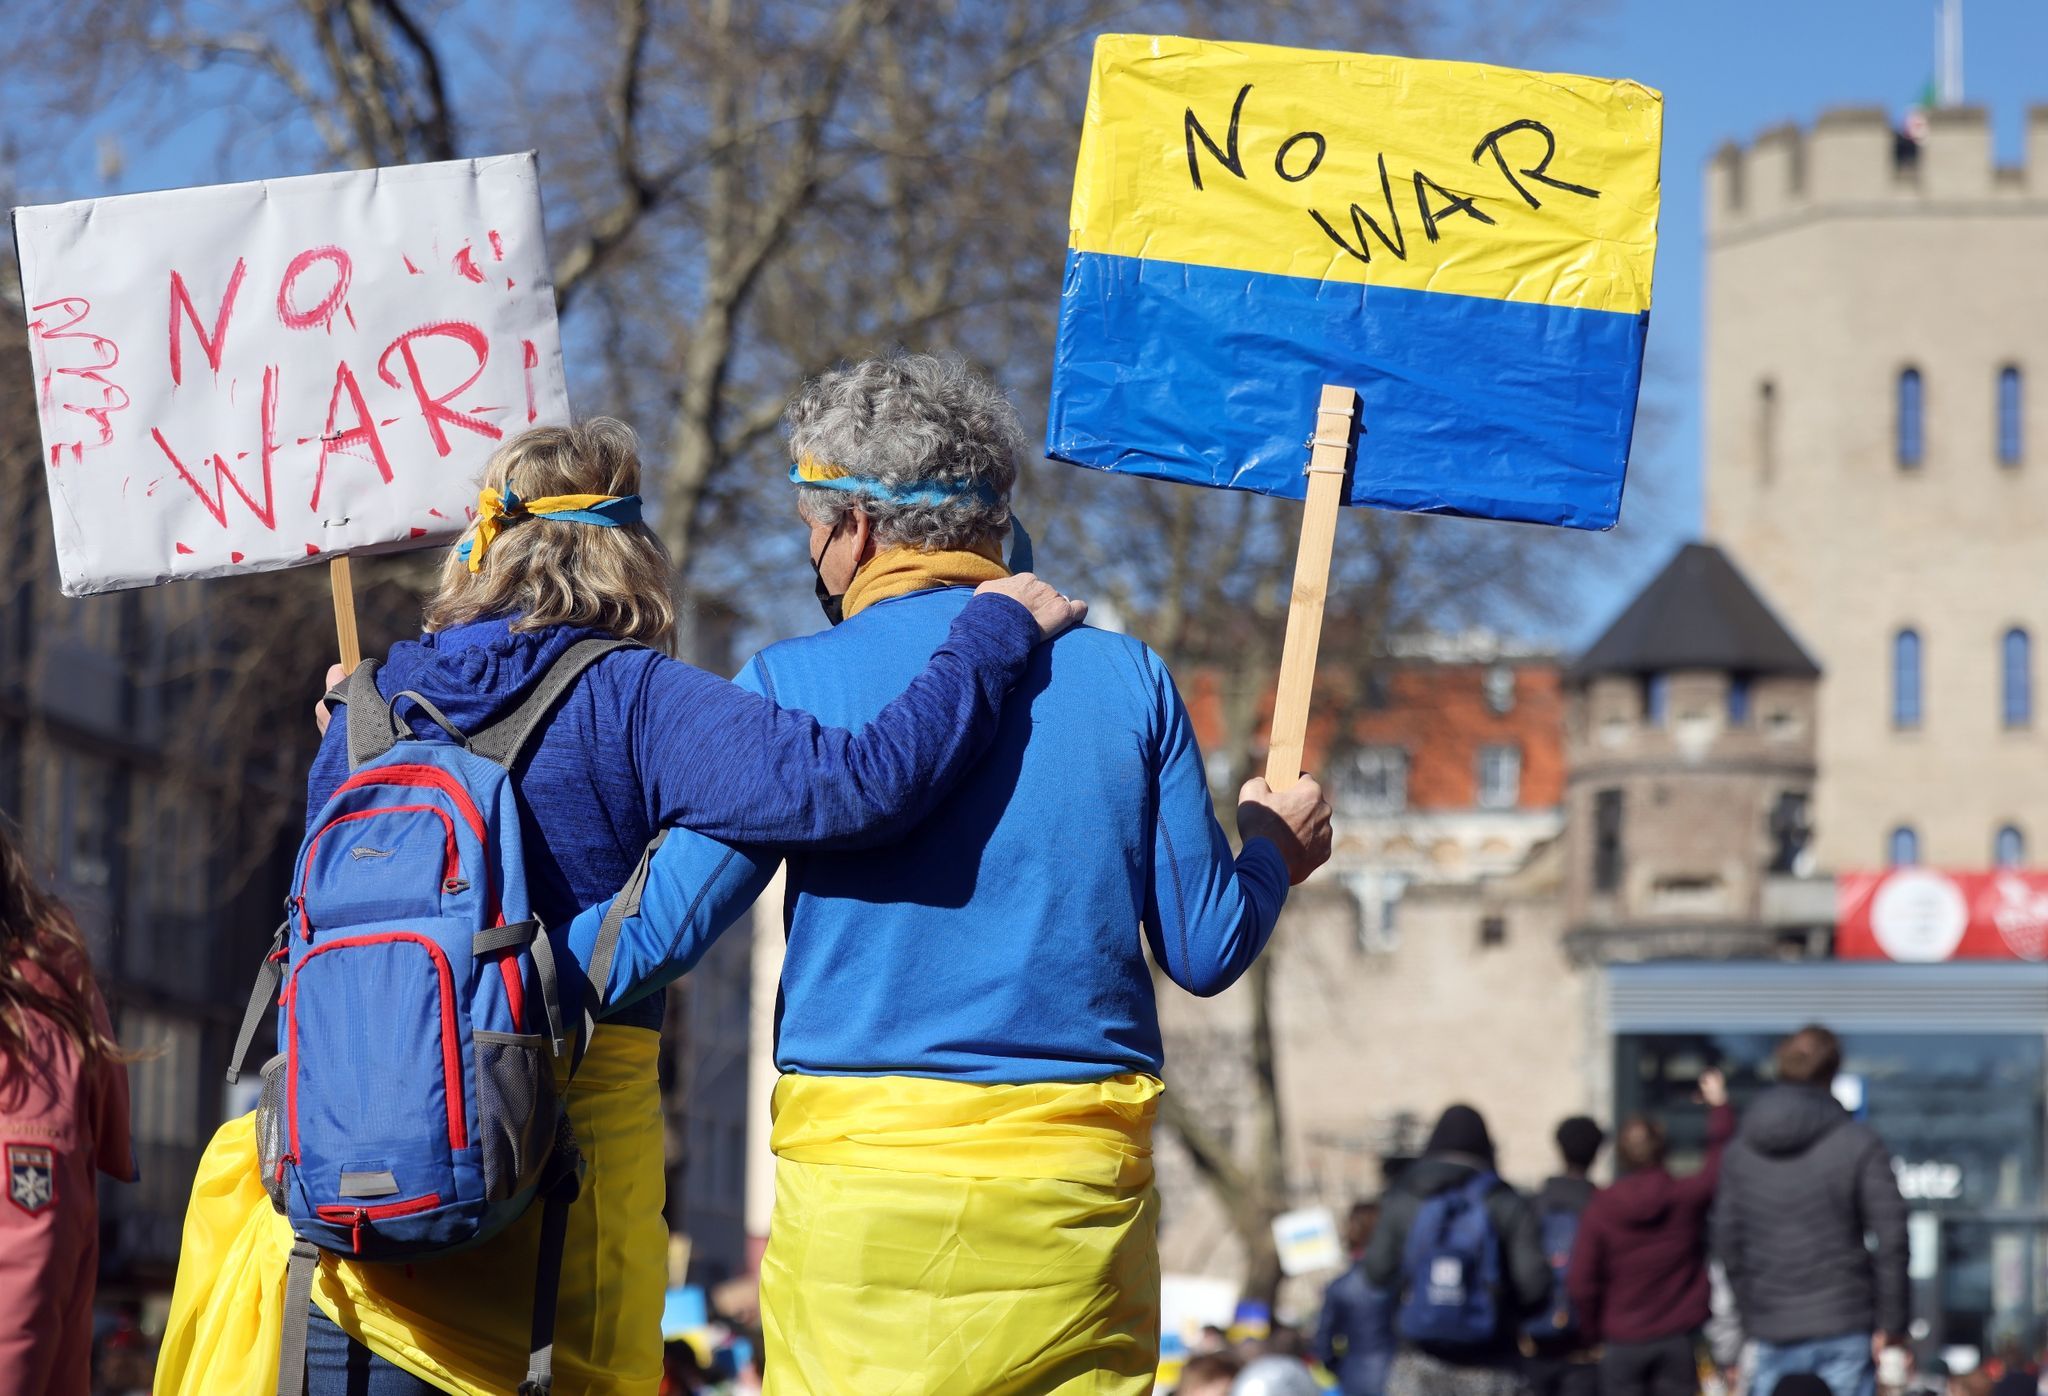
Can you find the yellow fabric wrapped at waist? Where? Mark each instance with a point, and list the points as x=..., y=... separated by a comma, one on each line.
x=933, y=1238
x=459, y=1321
x=1097, y=1132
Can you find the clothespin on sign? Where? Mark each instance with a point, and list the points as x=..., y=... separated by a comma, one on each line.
x=1329, y=460
x=343, y=583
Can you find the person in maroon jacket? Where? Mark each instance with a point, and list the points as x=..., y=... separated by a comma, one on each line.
x=63, y=1119
x=1638, y=1277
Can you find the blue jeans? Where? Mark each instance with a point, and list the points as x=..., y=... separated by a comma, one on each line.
x=338, y=1365
x=1843, y=1363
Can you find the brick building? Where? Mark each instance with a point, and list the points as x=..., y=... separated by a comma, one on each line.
x=1444, y=763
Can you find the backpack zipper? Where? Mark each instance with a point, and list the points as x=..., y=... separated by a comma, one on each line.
x=433, y=778
x=451, y=1052
x=451, y=859
x=359, y=1217
x=430, y=777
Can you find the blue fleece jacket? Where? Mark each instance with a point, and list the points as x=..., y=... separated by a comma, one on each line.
x=644, y=742
x=999, y=940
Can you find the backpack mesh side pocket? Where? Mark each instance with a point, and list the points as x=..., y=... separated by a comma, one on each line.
x=515, y=1109
x=272, y=1130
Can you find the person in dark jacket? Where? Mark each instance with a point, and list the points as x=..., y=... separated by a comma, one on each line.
x=1459, y=1149
x=1638, y=1278
x=1355, y=1337
x=1802, y=1186
x=1565, y=1365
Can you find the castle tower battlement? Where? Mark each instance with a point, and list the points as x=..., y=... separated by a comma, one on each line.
x=1853, y=162
x=1875, y=414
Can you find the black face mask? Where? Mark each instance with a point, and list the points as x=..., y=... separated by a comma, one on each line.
x=834, y=607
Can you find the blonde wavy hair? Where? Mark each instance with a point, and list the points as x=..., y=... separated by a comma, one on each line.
x=555, y=572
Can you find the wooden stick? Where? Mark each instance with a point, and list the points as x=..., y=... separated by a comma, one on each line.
x=345, y=612
x=1326, y=468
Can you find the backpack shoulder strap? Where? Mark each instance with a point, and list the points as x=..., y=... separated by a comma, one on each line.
x=370, y=729
x=298, y=1297
x=506, y=738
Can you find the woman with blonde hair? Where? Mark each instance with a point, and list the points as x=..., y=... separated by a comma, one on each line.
x=63, y=1118
x=639, y=742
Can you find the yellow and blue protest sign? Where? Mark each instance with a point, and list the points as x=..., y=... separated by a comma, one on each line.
x=1468, y=246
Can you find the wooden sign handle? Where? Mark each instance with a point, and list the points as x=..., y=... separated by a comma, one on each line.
x=345, y=612
x=1326, y=467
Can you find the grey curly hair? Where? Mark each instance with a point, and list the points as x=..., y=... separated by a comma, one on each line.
x=908, y=420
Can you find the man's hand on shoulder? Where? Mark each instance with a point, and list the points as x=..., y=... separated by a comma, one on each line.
x=1295, y=820
x=1055, y=614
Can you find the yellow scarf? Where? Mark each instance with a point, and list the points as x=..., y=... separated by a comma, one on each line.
x=895, y=572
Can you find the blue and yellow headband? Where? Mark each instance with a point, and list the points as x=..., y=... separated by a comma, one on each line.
x=495, y=511
x=809, y=470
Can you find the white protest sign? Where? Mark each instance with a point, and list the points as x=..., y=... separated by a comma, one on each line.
x=250, y=376
x=1307, y=1241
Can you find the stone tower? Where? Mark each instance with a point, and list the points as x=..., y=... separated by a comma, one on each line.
x=1876, y=424
x=1690, y=747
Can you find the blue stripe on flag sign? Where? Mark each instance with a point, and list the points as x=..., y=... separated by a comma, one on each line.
x=1468, y=405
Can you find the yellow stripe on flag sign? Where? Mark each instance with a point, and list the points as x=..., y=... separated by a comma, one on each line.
x=1461, y=178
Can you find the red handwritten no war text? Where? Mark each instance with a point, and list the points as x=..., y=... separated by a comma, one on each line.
x=311, y=292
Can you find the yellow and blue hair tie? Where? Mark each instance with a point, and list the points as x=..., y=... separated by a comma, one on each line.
x=495, y=512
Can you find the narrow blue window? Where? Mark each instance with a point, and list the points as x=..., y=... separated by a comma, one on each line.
x=2017, y=688
x=1905, y=847
x=1656, y=698
x=1738, y=700
x=1906, y=679
x=2009, y=849
x=1910, y=424
x=2011, y=421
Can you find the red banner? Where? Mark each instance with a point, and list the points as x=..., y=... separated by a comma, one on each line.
x=1918, y=915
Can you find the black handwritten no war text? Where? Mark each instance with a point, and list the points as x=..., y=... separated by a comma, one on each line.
x=1521, y=152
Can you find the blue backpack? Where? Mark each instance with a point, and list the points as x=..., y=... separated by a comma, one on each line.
x=1557, y=1321
x=1451, y=1270
x=411, y=1109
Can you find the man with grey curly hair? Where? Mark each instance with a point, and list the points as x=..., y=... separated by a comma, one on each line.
x=905, y=455
x=968, y=1034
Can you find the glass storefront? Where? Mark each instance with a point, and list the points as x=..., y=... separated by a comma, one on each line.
x=1963, y=1114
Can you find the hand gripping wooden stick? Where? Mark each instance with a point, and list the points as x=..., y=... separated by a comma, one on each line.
x=1326, y=467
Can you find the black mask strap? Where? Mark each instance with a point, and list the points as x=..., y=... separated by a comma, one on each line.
x=834, y=607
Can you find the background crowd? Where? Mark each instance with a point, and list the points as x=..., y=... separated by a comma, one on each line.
x=1778, y=1261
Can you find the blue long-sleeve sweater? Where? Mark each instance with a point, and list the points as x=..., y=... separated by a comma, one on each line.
x=999, y=940
x=643, y=742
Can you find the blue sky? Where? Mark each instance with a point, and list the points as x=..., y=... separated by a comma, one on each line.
x=1729, y=70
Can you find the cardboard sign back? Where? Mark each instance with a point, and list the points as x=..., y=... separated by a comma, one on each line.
x=253, y=376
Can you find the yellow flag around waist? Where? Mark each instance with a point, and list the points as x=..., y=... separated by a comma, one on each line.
x=937, y=1237
x=461, y=1321
x=227, y=1308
